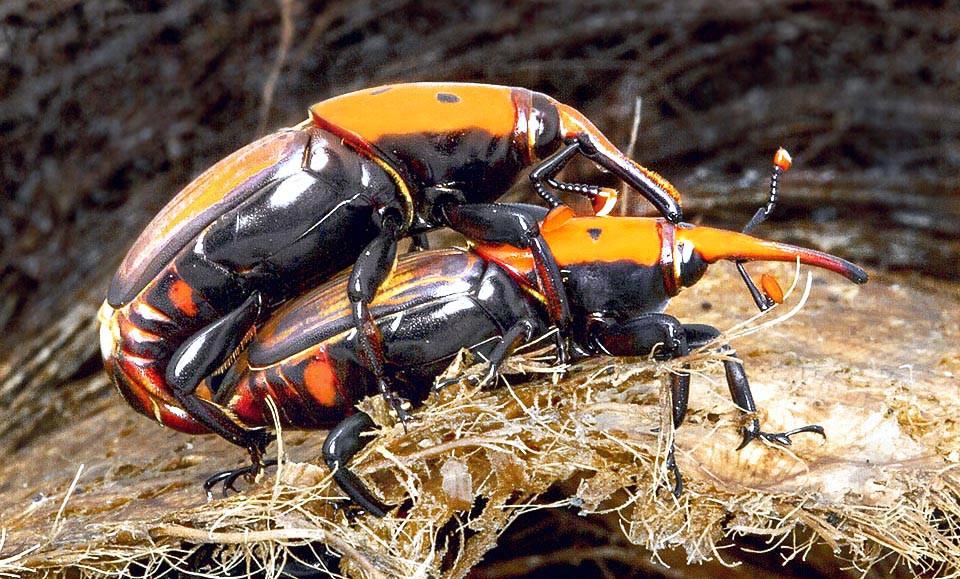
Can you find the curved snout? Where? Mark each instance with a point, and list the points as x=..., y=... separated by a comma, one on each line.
x=660, y=192
x=716, y=244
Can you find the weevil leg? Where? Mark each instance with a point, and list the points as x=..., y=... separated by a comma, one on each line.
x=699, y=335
x=517, y=225
x=419, y=242
x=205, y=353
x=519, y=333
x=229, y=477
x=342, y=443
x=370, y=271
x=660, y=334
x=666, y=338
x=743, y=398
x=675, y=470
x=591, y=144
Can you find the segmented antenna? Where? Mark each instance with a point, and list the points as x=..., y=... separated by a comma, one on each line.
x=781, y=162
x=764, y=299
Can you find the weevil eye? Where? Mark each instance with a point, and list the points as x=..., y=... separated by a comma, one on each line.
x=690, y=265
x=544, y=126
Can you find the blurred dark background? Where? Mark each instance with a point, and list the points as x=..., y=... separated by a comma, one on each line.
x=108, y=108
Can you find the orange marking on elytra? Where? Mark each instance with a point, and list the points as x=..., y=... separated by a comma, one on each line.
x=181, y=295
x=321, y=382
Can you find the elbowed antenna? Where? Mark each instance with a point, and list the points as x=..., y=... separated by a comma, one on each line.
x=716, y=244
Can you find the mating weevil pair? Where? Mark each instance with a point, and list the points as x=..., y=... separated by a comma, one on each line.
x=292, y=209
x=283, y=215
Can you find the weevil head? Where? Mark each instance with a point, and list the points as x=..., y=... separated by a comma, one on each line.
x=681, y=259
x=551, y=125
x=543, y=126
x=624, y=266
x=695, y=247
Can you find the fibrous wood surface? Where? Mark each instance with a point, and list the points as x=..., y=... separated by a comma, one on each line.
x=883, y=484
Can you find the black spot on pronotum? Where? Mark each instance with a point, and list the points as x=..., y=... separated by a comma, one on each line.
x=594, y=233
x=446, y=97
x=381, y=90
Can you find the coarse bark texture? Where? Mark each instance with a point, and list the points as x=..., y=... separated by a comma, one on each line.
x=108, y=108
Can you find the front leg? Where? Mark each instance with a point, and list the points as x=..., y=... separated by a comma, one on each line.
x=516, y=225
x=667, y=338
x=659, y=334
x=581, y=136
x=519, y=333
x=698, y=336
x=370, y=271
x=664, y=337
x=743, y=398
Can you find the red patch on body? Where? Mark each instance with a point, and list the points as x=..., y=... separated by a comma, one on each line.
x=181, y=295
x=321, y=382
